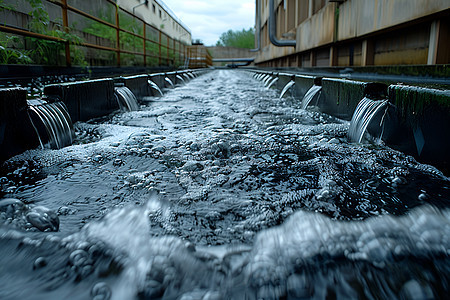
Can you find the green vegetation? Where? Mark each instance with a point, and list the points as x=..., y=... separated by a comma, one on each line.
x=28, y=50
x=15, y=49
x=237, y=39
x=10, y=55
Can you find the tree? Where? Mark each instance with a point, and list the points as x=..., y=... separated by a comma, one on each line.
x=238, y=39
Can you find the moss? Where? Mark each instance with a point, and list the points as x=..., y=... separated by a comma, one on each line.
x=412, y=101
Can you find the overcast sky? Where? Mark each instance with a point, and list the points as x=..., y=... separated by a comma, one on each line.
x=208, y=19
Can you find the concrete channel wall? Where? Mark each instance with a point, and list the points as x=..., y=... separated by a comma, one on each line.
x=416, y=122
x=84, y=100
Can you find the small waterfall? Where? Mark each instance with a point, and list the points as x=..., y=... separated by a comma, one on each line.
x=286, y=88
x=267, y=80
x=312, y=93
x=167, y=79
x=186, y=76
x=272, y=83
x=363, y=115
x=53, y=124
x=156, y=87
x=180, y=78
x=191, y=75
x=126, y=99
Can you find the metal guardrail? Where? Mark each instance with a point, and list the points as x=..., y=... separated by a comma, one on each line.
x=170, y=45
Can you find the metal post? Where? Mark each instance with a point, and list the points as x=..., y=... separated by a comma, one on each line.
x=145, y=42
x=168, y=58
x=117, y=35
x=159, y=44
x=66, y=29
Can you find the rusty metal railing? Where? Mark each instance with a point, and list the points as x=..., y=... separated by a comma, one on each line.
x=198, y=57
x=171, y=45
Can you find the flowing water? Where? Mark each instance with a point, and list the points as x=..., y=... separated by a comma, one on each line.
x=155, y=87
x=221, y=190
x=125, y=98
x=286, y=88
x=365, y=111
x=51, y=120
x=167, y=79
x=312, y=93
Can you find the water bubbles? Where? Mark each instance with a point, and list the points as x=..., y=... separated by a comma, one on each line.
x=43, y=218
x=423, y=196
x=39, y=263
x=101, y=291
x=97, y=158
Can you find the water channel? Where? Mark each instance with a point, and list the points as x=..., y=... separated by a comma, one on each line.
x=221, y=190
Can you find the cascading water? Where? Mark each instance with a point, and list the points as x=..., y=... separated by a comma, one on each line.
x=167, y=79
x=363, y=115
x=312, y=93
x=267, y=80
x=125, y=98
x=181, y=79
x=272, y=83
x=286, y=88
x=56, y=131
x=155, y=87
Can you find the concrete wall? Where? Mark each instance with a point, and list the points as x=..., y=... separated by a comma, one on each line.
x=361, y=17
x=356, y=33
x=229, y=52
x=317, y=30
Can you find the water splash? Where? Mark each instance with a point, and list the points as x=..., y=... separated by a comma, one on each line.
x=156, y=87
x=167, y=79
x=286, y=88
x=363, y=115
x=312, y=93
x=56, y=121
x=125, y=98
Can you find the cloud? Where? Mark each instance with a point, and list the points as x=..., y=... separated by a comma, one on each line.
x=208, y=19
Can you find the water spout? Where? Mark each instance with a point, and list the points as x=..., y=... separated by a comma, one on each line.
x=286, y=88
x=272, y=83
x=156, y=87
x=180, y=79
x=312, y=93
x=267, y=80
x=125, y=98
x=167, y=79
x=57, y=125
x=363, y=115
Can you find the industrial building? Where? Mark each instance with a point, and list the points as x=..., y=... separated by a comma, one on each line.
x=158, y=14
x=326, y=33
